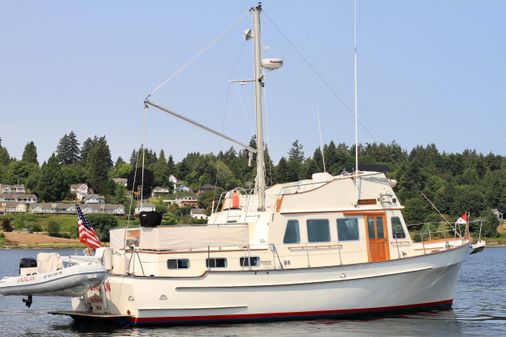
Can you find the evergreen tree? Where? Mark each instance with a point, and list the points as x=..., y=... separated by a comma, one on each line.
x=18, y=171
x=295, y=159
x=282, y=171
x=68, y=149
x=30, y=153
x=97, y=165
x=121, y=169
x=4, y=156
x=171, y=166
x=135, y=181
x=52, y=185
x=88, y=144
x=133, y=157
x=161, y=171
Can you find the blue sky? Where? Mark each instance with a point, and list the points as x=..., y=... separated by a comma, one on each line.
x=431, y=71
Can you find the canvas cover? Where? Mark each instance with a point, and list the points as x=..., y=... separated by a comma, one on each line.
x=179, y=237
x=48, y=262
x=116, y=238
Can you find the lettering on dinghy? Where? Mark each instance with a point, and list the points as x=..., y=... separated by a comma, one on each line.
x=58, y=273
x=25, y=279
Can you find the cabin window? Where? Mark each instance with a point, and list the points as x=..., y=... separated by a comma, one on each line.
x=178, y=264
x=318, y=230
x=370, y=228
x=250, y=261
x=347, y=229
x=216, y=263
x=379, y=224
x=292, y=232
x=397, y=229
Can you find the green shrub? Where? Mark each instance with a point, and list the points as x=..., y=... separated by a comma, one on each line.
x=36, y=228
x=53, y=228
x=102, y=223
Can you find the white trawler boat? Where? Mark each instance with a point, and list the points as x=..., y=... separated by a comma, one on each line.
x=324, y=247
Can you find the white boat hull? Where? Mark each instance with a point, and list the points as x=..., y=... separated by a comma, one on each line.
x=71, y=281
x=412, y=283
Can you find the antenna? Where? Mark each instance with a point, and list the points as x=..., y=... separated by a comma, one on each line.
x=321, y=139
x=356, y=90
x=355, y=66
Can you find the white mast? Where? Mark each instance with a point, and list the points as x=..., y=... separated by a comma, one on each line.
x=356, y=91
x=260, y=178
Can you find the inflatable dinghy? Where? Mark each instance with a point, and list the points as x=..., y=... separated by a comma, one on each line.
x=47, y=276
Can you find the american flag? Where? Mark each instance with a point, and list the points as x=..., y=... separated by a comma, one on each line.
x=86, y=233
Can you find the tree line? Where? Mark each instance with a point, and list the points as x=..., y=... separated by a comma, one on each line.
x=454, y=182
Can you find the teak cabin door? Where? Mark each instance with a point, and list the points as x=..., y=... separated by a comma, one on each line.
x=377, y=237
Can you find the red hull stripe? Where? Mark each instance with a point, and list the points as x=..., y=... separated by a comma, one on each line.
x=301, y=314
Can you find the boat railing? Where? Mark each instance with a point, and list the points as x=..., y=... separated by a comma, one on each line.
x=438, y=235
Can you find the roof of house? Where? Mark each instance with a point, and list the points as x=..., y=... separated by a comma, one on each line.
x=102, y=206
x=18, y=195
x=96, y=196
x=198, y=211
x=160, y=189
x=11, y=203
x=207, y=187
x=145, y=205
x=76, y=186
x=52, y=205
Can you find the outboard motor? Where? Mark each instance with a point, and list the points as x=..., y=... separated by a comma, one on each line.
x=150, y=219
x=27, y=266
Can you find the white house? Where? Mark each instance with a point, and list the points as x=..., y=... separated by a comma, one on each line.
x=145, y=208
x=184, y=188
x=80, y=190
x=53, y=208
x=120, y=181
x=159, y=191
x=17, y=188
x=498, y=214
x=114, y=209
x=94, y=199
x=198, y=213
x=173, y=181
x=19, y=197
x=13, y=207
x=189, y=200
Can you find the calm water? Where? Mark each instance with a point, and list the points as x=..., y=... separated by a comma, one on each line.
x=479, y=310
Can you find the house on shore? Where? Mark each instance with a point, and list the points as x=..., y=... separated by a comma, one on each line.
x=206, y=188
x=94, y=199
x=198, y=213
x=120, y=181
x=159, y=191
x=114, y=209
x=18, y=197
x=187, y=200
x=17, y=188
x=9, y=207
x=53, y=208
x=80, y=190
x=146, y=207
x=66, y=208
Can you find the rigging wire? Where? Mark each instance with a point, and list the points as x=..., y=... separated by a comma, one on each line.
x=227, y=99
x=131, y=199
x=268, y=135
x=317, y=73
x=143, y=154
x=200, y=52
